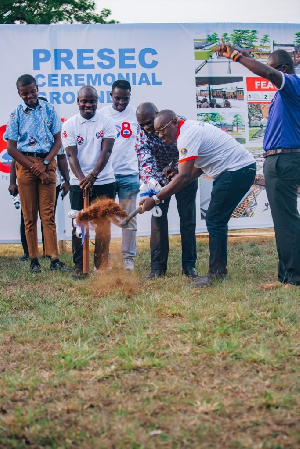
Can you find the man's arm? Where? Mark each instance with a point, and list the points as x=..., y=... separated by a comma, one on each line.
x=40, y=167
x=254, y=66
x=64, y=170
x=13, y=187
x=186, y=174
x=106, y=149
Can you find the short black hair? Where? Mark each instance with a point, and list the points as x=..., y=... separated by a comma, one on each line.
x=121, y=84
x=25, y=80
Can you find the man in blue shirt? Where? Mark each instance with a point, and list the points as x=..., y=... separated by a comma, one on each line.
x=282, y=152
x=33, y=140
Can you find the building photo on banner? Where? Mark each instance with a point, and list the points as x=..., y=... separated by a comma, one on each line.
x=174, y=66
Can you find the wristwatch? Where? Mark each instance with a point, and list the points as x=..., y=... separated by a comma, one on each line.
x=45, y=162
x=156, y=200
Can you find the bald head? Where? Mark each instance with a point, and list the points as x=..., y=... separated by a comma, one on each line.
x=87, y=101
x=281, y=60
x=145, y=115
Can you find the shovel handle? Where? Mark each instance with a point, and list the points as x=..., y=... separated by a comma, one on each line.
x=131, y=215
x=86, y=253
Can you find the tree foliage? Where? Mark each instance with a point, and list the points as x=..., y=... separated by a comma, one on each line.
x=51, y=11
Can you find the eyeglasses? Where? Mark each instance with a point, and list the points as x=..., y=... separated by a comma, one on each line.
x=164, y=127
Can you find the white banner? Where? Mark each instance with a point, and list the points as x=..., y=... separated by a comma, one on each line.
x=172, y=65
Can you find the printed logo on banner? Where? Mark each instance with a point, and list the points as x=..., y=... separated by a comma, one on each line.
x=5, y=158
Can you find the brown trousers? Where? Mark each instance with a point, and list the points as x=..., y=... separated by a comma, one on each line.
x=37, y=197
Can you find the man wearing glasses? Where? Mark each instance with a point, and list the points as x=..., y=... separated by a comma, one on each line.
x=282, y=152
x=124, y=161
x=203, y=148
x=160, y=162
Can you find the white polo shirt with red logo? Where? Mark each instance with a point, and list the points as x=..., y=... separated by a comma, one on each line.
x=124, y=158
x=214, y=150
x=87, y=135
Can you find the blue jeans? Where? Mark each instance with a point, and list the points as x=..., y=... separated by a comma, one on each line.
x=228, y=190
x=127, y=189
x=159, y=241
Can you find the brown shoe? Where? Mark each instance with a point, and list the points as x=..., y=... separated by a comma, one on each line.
x=272, y=285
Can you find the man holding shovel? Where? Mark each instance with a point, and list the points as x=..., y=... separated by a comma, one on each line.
x=88, y=138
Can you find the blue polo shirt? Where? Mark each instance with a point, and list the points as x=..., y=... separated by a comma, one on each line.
x=33, y=129
x=283, y=127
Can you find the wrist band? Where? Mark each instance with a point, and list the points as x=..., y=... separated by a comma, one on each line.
x=94, y=176
x=233, y=54
x=237, y=57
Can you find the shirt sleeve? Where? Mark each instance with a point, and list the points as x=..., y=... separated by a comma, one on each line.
x=147, y=163
x=12, y=128
x=290, y=86
x=188, y=146
x=56, y=123
x=68, y=136
x=109, y=129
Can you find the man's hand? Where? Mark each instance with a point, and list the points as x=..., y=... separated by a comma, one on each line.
x=225, y=49
x=147, y=203
x=87, y=182
x=170, y=171
x=38, y=168
x=64, y=188
x=44, y=177
x=13, y=189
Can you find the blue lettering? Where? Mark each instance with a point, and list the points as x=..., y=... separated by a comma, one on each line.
x=142, y=56
x=63, y=56
x=68, y=97
x=79, y=79
x=144, y=79
x=103, y=54
x=81, y=58
x=53, y=80
x=66, y=79
x=55, y=97
x=93, y=80
x=106, y=79
x=123, y=58
x=153, y=79
x=42, y=83
x=39, y=56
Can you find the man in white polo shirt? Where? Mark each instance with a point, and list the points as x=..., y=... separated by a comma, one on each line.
x=124, y=161
x=88, y=138
x=203, y=148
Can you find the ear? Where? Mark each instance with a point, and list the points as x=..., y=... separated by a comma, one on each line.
x=111, y=94
x=37, y=88
x=78, y=101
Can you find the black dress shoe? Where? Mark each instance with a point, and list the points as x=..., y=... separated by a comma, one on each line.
x=190, y=272
x=35, y=266
x=207, y=280
x=57, y=265
x=156, y=274
x=24, y=258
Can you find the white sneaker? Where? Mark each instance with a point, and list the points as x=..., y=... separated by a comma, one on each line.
x=128, y=264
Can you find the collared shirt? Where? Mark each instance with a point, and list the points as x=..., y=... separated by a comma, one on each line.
x=283, y=127
x=154, y=156
x=213, y=150
x=33, y=129
x=123, y=156
x=87, y=136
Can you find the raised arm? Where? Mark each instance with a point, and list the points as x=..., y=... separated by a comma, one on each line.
x=263, y=70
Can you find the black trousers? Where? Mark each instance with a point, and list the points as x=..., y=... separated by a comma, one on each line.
x=282, y=175
x=103, y=234
x=228, y=190
x=159, y=240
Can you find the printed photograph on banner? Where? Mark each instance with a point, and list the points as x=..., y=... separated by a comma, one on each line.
x=220, y=92
x=229, y=121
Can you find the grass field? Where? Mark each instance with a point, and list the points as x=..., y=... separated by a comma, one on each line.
x=120, y=362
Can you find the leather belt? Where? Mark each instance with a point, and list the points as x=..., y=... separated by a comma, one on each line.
x=36, y=154
x=281, y=151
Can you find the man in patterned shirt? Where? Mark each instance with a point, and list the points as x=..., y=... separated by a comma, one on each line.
x=33, y=135
x=160, y=161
